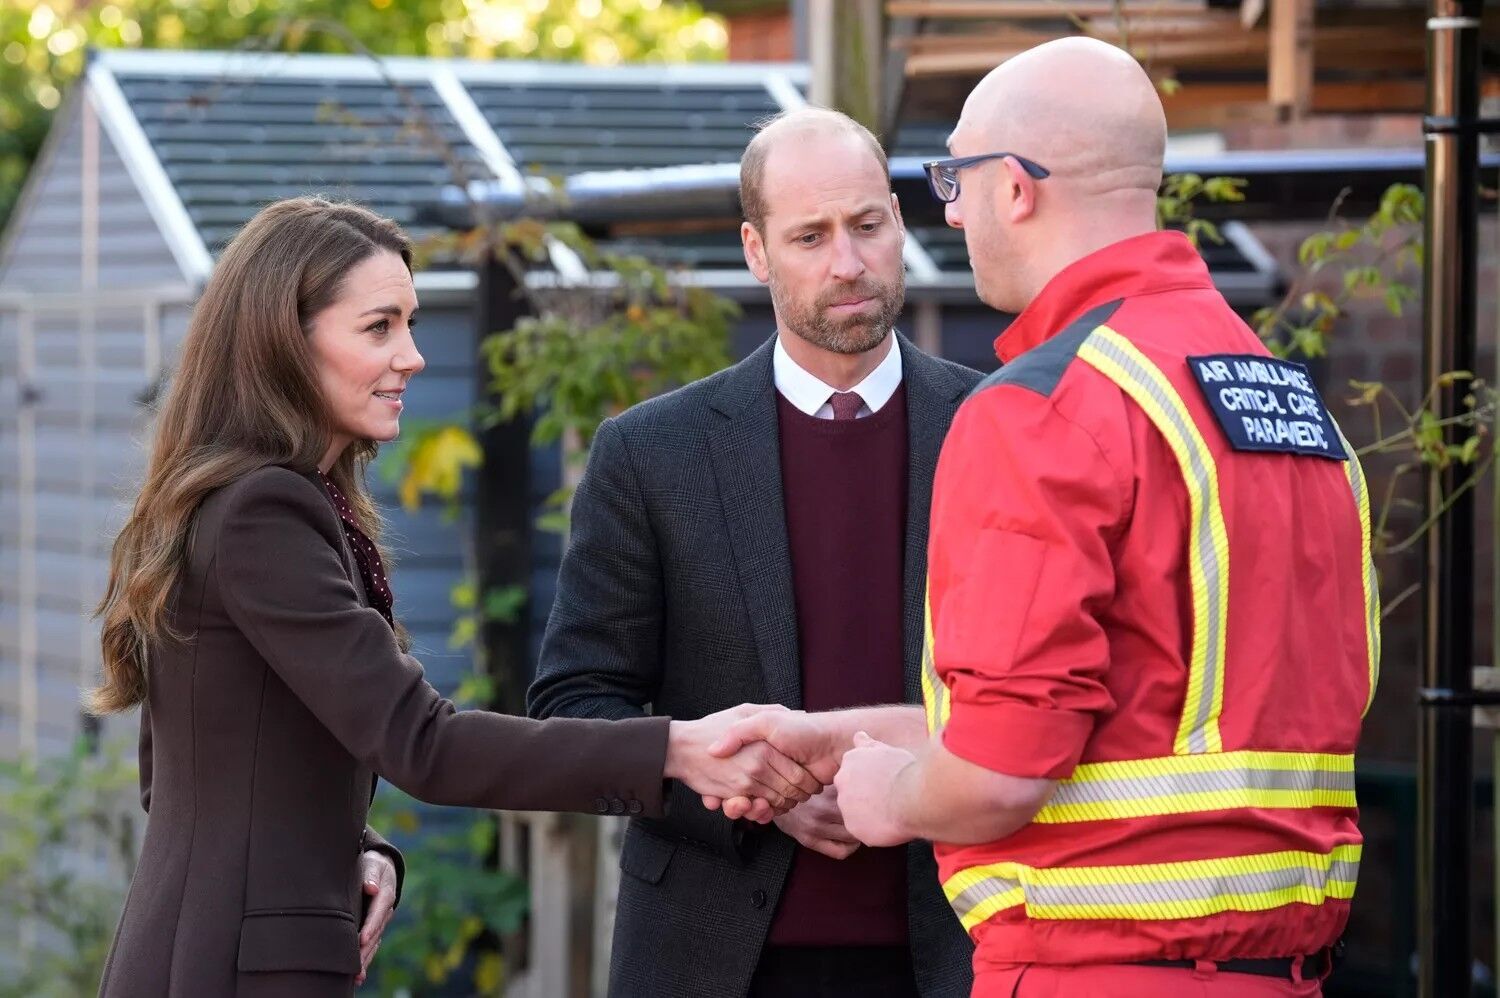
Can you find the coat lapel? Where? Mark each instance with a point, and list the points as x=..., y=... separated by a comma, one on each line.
x=746, y=450
x=351, y=567
x=933, y=395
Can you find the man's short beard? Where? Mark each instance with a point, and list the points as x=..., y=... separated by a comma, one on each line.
x=851, y=335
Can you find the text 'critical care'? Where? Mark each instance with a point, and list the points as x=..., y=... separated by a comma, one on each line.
x=1265, y=404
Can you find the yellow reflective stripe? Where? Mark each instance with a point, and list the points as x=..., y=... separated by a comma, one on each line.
x=1208, y=540
x=1186, y=784
x=1156, y=891
x=1356, y=476
x=935, y=699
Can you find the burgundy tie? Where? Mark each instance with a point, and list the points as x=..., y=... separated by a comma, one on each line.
x=846, y=405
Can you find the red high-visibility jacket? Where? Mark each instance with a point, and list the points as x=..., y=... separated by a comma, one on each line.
x=1150, y=579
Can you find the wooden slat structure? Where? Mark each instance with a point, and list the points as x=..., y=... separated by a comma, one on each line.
x=1226, y=62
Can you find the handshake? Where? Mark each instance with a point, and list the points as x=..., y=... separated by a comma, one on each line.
x=819, y=777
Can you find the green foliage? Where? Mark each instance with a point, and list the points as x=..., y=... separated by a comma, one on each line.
x=500, y=605
x=584, y=352
x=67, y=852
x=1375, y=258
x=593, y=351
x=1179, y=194
x=42, y=42
x=451, y=900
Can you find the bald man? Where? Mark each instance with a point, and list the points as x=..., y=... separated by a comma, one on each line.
x=1152, y=617
x=761, y=536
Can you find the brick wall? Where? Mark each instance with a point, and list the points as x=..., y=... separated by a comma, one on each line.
x=761, y=37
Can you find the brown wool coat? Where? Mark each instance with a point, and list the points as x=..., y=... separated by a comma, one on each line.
x=261, y=738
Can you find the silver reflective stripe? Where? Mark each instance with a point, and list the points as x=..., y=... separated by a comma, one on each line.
x=1167, y=891
x=1093, y=791
x=1159, y=891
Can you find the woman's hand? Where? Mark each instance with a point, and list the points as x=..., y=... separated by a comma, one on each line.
x=757, y=771
x=377, y=875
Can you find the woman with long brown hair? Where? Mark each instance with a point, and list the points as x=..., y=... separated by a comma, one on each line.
x=249, y=613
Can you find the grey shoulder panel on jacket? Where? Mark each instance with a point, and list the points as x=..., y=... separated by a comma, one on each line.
x=1041, y=368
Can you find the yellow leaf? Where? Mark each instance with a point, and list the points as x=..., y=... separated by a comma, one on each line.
x=489, y=974
x=437, y=464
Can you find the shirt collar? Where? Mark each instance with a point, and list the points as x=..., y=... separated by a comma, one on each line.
x=810, y=395
x=1156, y=261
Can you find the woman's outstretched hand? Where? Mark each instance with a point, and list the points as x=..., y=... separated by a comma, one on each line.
x=757, y=771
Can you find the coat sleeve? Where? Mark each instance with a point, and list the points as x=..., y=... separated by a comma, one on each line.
x=602, y=652
x=279, y=569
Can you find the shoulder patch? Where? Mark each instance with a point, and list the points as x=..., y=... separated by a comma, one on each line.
x=1042, y=367
x=1265, y=404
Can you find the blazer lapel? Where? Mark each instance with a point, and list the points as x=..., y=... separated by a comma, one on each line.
x=351, y=568
x=746, y=450
x=933, y=395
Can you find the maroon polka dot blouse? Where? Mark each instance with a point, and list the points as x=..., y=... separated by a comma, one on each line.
x=366, y=555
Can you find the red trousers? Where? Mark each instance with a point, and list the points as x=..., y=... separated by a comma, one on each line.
x=1133, y=981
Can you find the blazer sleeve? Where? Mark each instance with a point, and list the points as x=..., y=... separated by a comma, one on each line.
x=602, y=652
x=278, y=565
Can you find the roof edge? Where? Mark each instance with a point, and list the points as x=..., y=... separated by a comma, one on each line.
x=299, y=65
x=118, y=120
x=39, y=167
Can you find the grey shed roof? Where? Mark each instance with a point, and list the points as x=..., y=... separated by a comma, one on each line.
x=212, y=136
x=221, y=134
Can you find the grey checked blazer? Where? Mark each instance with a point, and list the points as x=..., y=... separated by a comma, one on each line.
x=675, y=595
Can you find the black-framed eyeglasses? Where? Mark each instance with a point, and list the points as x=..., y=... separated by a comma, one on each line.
x=942, y=174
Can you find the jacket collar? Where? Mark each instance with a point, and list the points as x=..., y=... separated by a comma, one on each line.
x=1145, y=264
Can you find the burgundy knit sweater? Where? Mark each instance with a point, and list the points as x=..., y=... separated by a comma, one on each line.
x=844, y=484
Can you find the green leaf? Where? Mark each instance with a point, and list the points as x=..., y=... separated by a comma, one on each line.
x=465, y=629
x=1393, y=302
x=1369, y=391
x=555, y=522
x=1470, y=449
x=1314, y=248
x=503, y=604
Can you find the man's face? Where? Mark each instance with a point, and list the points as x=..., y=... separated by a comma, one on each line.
x=831, y=249
x=976, y=210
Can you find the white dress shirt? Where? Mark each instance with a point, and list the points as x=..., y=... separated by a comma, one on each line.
x=810, y=395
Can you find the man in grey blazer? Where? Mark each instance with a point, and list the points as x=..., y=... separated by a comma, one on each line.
x=760, y=536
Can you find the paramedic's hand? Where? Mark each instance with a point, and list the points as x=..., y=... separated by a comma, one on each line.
x=865, y=783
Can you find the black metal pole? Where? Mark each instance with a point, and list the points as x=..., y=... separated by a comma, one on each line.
x=1446, y=737
x=503, y=511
